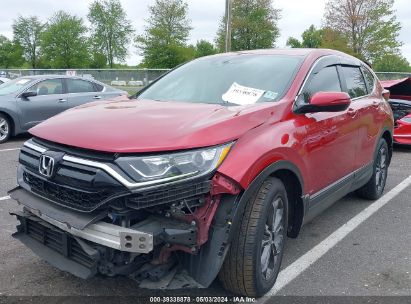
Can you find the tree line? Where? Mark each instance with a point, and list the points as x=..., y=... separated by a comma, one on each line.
x=367, y=29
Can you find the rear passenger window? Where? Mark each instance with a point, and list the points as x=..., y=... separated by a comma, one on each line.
x=355, y=82
x=326, y=80
x=369, y=79
x=79, y=86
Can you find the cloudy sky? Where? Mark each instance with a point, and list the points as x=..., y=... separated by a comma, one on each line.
x=297, y=15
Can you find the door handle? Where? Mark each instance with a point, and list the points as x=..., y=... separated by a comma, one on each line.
x=351, y=112
x=97, y=97
x=62, y=100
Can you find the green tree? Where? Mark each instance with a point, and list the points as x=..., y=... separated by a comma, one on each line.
x=392, y=63
x=332, y=39
x=27, y=33
x=11, y=53
x=111, y=30
x=370, y=26
x=64, y=42
x=294, y=43
x=311, y=38
x=164, y=42
x=98, y=60
x=253, y=25
x=204, y=48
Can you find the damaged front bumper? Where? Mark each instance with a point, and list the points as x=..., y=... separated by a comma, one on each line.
x=109, y=235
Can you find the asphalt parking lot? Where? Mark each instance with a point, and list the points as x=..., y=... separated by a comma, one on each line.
x=374, y=259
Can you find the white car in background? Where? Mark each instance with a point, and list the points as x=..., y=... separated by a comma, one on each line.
x=3, y=80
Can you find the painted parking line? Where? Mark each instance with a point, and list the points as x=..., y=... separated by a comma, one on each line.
x=12, y=149
x=310, y=257
x=4, y=198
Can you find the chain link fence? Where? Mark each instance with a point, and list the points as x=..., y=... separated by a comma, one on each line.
x=130, y=80
x=392, y=75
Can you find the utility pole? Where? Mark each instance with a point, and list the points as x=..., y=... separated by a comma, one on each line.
x=227, y=25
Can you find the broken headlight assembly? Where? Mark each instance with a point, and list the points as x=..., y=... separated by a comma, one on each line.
x=160, y=168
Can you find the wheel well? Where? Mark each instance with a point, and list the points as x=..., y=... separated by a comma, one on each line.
x=12, y=124
x=296, y=206
x=388, y=138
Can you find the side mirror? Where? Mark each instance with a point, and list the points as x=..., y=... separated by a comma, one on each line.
x=326, y=102
x=28, y=94
x=386, y=94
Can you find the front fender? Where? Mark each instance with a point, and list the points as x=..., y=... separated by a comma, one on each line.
x=271, y=146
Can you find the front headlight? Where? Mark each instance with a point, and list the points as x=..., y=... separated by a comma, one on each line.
x=173, y=166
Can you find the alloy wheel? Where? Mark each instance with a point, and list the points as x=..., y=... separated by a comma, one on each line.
x=273, y=239
x=4, y=129
x=381, y=168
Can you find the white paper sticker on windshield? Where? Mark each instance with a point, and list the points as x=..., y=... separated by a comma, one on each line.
x=242, y=95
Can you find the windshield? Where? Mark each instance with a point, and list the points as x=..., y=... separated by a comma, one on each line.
x=13, y=86
x=228, y=80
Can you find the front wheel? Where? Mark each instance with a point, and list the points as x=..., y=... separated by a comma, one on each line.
x=375, y=186
x=253, y=262
x=5, y=129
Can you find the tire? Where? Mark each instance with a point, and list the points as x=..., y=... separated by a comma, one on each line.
x=243, y=270
x=5, y=128
x=375, y=187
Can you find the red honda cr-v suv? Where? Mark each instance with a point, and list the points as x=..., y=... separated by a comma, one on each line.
x=207, y=171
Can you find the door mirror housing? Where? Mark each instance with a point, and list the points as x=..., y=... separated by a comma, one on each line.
x=28, y=94
x=325, y=102
x=386, y=94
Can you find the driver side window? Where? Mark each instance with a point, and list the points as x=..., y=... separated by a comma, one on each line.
x=325, y=80
x=48, y=87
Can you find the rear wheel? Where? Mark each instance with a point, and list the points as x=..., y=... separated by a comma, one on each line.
x=254, y=259
x=5, y=129
x=375, y=186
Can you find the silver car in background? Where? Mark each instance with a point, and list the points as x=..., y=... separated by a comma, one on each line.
x=27, y=101
x=3, y=80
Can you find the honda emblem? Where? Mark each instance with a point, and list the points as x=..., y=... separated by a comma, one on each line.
x=46, y=166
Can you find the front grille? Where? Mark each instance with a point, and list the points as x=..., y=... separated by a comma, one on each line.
x=68, y=197
x=167, y=195
x=56, y=239
x=74, y=186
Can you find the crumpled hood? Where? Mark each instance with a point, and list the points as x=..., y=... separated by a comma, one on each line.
x=131, y=126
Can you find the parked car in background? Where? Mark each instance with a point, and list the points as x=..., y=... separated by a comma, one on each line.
x=3, y=80
x=27, y=101
x=400, y=102
x=207, y=172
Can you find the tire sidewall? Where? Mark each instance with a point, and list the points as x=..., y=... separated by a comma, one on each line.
x=277, y=190
x=9, y=128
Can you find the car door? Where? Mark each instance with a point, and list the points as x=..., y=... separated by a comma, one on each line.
x=331, y=137
x=360, y=85
x=80, y=91
x=48, y=102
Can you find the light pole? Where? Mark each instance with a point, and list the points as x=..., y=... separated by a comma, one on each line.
x=227, y=25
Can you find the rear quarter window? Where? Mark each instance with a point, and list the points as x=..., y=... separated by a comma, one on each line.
x=99, y=87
